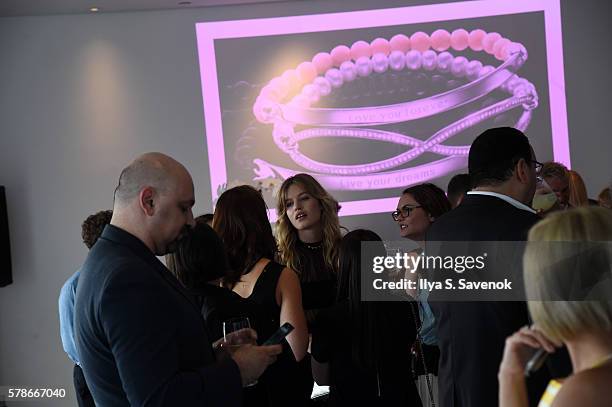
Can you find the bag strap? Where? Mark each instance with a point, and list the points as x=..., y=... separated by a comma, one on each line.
x=419, y=344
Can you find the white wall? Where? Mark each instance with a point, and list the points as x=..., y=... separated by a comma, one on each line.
x=81, y=95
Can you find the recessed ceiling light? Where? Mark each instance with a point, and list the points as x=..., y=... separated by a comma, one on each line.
x=94, y=9
x=184, y=3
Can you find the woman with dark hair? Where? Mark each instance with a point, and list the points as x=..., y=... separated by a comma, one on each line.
x=362, y=348
x=242, y=223
x=205, y=218
x=199, y=263
x=308, y=232
x=418, y=207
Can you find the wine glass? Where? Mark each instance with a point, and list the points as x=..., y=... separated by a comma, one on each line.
x=231, y=327
x=234, y=338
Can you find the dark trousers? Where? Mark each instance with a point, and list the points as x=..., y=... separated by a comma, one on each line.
x=84, y=397
x=431, y=358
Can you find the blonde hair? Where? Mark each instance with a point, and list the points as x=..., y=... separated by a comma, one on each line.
x=605, y=198
x=577, y=190
x=286, y=234
x=553, y=169
x=546, y=265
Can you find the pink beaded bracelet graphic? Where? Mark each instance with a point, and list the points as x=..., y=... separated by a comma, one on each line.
x=286, y=101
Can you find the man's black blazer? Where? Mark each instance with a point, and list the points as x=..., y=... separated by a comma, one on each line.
x=471, y=335
x=140, y=336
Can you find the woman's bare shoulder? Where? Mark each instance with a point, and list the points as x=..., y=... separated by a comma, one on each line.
x=587, y=388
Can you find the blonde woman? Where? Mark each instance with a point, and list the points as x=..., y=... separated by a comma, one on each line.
x=604, y=199
x=308, y=234
x=584, y=327
x=577, y=190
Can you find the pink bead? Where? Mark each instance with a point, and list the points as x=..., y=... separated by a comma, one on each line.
x=503, y=53
x=340, y=54
x=475, y=39
x=489, y=40
x=499, y=47
x=514, y=47
x=264, y=109
x=271, y=92
x=281, y=84
x=380, y=46
x=306, y=71
x=300, y=101
x=459, y=39
x=360, y=49
x=322, y=61
x=420, y=41
x=440, y=40
x=292, y=79
x=400, y=42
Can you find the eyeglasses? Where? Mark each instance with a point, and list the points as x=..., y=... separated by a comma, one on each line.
x=538, y=166
x=404, y=211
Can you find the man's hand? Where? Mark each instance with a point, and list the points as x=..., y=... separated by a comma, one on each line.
x=225, y=346
x=253, y=360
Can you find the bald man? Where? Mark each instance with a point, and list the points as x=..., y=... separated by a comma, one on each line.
x=140, y=336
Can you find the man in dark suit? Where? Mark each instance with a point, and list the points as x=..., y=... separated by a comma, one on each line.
x=139, y=334
x=502, y=168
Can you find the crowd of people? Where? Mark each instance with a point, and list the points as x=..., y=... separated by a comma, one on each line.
x=144, y=333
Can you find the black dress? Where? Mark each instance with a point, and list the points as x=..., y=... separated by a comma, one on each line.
x=285, y=381
x=220, y=304
x=317, y=280
x=391, y=384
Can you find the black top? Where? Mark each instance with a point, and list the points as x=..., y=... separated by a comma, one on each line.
x=471, y=335
x=285, y=381
x=140, y=335
x=317, y=280
x=351, y=385
x=220, y=304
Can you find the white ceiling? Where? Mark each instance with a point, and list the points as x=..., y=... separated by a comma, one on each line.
x=45, y=7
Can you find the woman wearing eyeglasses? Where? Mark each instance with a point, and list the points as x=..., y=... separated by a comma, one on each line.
x=418, y=207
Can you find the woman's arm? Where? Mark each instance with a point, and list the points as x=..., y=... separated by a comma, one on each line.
x=512, y=390
x=289, y=296
x=320, y=372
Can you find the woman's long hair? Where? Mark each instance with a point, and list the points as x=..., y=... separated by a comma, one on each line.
x=199, y=258
x=365, y=315
x=287, y=234
x=241, y=220
x=577, y=190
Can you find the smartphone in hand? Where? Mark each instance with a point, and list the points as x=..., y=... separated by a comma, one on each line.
x=280, y=334
x=535, y=362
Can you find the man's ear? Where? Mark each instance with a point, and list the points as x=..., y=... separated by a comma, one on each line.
x=146, y=200
x=522, y=171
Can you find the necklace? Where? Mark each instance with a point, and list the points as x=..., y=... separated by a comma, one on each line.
x=313, y=246
x=602, y=361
